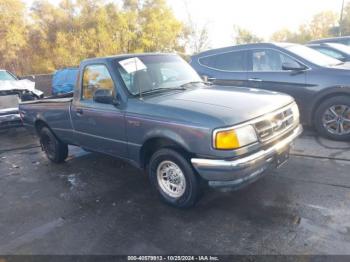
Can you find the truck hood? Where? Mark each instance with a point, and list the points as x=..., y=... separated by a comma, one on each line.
x=229, y=105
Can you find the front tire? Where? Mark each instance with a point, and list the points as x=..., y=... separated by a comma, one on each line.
x=174, y=178
x=55, y=150
x=332, y=118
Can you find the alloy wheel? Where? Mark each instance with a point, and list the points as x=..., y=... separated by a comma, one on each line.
x=336, y=119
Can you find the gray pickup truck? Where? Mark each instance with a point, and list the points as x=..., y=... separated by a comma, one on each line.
x=154, y=111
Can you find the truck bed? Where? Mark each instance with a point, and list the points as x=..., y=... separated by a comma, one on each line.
x=54, y=111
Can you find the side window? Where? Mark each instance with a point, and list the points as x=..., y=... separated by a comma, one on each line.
x=331, y=53
x=96, y=77
x=270, y=60
x=208, y=61
x=232, y=61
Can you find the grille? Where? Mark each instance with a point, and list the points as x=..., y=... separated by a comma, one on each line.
x=275, y=124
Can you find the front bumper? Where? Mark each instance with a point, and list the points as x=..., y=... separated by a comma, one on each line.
x=9, y=118
x=242, y=170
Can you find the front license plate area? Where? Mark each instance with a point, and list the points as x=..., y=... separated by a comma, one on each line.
x=282, y=158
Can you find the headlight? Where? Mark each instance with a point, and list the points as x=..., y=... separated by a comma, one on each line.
x=228, y=139
x=296, y=113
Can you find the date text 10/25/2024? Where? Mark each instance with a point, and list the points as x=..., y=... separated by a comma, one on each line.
x=173, y=258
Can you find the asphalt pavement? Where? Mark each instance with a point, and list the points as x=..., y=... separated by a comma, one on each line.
x=95, y=204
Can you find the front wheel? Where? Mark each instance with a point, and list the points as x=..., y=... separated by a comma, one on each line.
x=174, y=179
x=54, y=149
x=332, y=118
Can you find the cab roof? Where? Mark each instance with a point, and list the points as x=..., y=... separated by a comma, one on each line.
x=245, y=46
x=124, y=56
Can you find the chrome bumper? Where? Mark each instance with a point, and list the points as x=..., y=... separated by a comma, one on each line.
x=242, y=168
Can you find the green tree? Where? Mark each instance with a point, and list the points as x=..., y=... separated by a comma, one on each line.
x=160, y=30
x=47, y=20
x=283, y=35
x=13, y=34
x=244, y=36
x=345, y=25
x=62, y=35
x=322, y=25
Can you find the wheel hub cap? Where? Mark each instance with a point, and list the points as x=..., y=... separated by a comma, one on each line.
x=171, y=179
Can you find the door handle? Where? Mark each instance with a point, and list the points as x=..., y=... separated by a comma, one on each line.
x=255, y=79
x=79, y=112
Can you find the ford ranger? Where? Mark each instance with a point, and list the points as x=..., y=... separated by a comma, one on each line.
x=154, y=111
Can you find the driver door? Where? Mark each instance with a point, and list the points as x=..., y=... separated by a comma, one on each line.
x=99, y=127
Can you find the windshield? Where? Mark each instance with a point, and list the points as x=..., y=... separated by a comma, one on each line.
x=340, y=47
x=156, y=72
x=312, y=55
x=4, y=75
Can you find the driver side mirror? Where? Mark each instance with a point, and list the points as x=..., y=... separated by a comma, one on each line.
x=104, y=96
x=292, y=67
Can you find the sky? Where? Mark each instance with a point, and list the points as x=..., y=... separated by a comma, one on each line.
x=262, y=17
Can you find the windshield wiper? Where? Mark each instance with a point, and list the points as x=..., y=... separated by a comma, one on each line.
x=192, y=83
x=165, y=89
x=337, y=64
x=162, y=89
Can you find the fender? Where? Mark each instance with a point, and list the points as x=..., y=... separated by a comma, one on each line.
x=166, y=134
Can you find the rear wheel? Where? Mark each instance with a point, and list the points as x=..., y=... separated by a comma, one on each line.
x=332, y=118
x=54, y=149
x=174, y=179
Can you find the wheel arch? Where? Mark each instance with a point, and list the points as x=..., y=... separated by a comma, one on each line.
x=39, y=124
x=152, y=144
x=323, y=98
